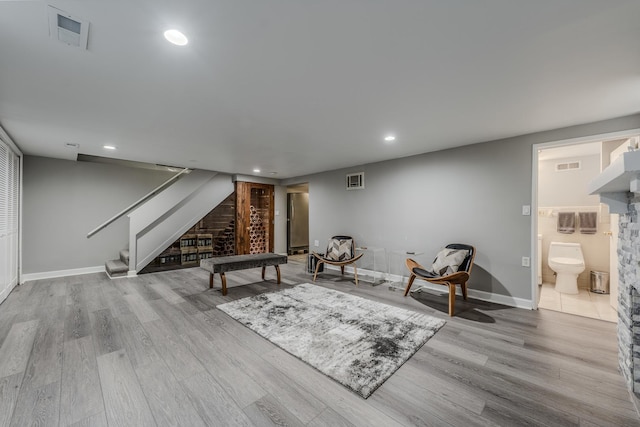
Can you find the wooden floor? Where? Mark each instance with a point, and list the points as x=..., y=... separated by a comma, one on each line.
x=154, y=350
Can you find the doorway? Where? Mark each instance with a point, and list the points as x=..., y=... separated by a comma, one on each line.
x=298, y=219
x=562, y=172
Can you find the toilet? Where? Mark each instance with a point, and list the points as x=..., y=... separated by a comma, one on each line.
x=567, y=261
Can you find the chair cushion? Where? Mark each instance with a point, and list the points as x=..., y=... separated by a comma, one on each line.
x=424, y=273
x=339, y=249
x=448, y=261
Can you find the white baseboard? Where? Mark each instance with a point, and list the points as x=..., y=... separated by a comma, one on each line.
x=5, y=293
x=401, y=282
x=61, y=273
x=483, y=296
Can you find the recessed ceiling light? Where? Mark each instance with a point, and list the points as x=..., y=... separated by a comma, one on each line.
x=389, y=138
x=108, y=147
x=176, y=37
x=256, y=170
x=71, y=145
x=273, y=173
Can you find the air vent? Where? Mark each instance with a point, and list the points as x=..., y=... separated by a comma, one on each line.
x=355, y=181
x=67, y=28
x=568, y=166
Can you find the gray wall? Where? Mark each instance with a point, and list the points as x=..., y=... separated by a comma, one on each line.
x=64, y=200
x=471, y=194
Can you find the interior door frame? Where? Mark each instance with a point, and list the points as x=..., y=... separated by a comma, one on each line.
x=534, y=192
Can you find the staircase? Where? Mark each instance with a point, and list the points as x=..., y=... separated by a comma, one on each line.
x=118, y=267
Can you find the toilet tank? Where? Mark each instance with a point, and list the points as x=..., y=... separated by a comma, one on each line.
x=565, y=250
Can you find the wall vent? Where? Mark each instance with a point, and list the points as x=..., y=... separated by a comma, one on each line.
x=355, y=181
x=568, y=166
x=67, y=28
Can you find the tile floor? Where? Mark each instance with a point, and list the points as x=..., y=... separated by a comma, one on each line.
x=585, y=303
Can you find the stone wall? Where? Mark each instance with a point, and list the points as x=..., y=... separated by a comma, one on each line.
x=629, y=295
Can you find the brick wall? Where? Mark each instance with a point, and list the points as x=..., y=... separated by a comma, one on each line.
x=629, y=295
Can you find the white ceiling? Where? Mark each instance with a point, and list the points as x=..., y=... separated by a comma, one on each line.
x=296, y=87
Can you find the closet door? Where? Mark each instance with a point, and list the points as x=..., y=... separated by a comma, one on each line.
x=9, y=219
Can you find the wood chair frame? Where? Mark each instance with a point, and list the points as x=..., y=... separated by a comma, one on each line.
x=320, y=259
x=458, y=278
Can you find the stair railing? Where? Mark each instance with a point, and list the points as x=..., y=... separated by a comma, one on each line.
x=137, y=203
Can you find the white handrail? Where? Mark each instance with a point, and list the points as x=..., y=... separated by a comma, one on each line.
x=137, y=203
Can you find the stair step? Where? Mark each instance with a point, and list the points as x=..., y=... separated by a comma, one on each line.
x=116, y=268
x=124, y=256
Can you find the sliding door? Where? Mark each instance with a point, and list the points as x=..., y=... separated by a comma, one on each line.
x=9, y=219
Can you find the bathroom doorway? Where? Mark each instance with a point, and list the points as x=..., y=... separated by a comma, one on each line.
x=566, y=216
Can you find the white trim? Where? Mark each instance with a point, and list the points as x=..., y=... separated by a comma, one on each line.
x=4, y=136
x=533, y=244
x=534, y=192
x=5, y=293
x=395, y=279
x=20, y=219
x=484, y=296
x=61, y=273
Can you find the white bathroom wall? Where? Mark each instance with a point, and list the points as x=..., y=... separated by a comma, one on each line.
x=567, y=188
x=566, y=191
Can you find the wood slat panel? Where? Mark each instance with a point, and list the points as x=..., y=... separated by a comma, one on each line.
x=80, y=390
x=124, y=401
x=190, y=364
x=16, y=348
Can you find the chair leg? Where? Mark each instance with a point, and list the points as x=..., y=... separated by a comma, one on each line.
x=464, y=290
x=342, y=269
x=411, y=279
x=317, y=267
x=355, y=273
x=452, y=298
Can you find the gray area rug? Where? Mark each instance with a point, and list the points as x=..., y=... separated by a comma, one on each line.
x=357, y=342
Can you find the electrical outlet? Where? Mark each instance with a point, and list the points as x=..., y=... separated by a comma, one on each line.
x=526, y=210
x=526, y=261
x=316, y=243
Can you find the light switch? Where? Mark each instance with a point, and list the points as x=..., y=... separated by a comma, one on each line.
x=526, y=262
x=316, y=243
x=277, y=212
x=526, y=209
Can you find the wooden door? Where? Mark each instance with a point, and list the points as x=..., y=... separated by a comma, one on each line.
x=254, y=217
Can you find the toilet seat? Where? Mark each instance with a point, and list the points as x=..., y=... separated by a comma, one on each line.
x=567, y=261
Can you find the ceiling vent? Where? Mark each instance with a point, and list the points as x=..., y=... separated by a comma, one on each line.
x=568, y=166
x=355, y=181
x=67, y=28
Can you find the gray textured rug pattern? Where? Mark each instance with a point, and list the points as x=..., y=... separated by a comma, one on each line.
x=357, y=342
